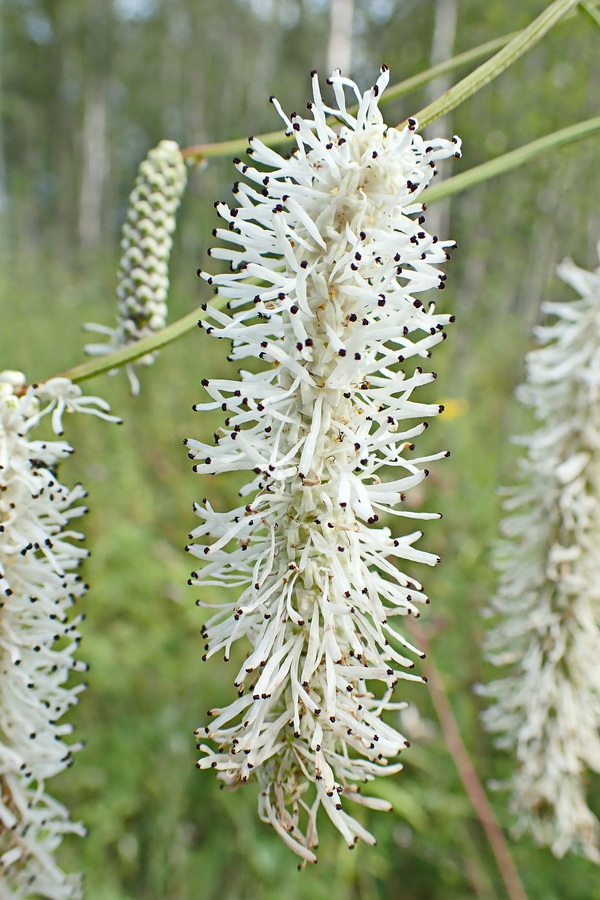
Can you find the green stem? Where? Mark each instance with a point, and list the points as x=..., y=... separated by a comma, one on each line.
x=490, y=169
x=490, y=69
x=443, y=68
x=512, y=47
x=591, y=11
x=102, y=364
x=275, y=138
x=238, y=145
x=512, y=160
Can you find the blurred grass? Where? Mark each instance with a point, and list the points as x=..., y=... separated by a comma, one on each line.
x=159, y=829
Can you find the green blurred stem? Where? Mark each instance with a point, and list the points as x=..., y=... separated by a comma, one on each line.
x=274, y=138
x=512, y=46
x=449, y=65
x=591, y=11
x=493, y=67
x=456, y=184
x=102, y=364
x=512, y=160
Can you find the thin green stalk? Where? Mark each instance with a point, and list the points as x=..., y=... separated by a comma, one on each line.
x=591, y=11
x=237, y=146
x=275, y=138
x=512, y=160
x=448, y=65
x=512, y=47
x=102, y=364
x=454, y=185
x=490, y=69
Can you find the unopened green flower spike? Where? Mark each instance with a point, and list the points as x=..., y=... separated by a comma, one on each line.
x=143, y=273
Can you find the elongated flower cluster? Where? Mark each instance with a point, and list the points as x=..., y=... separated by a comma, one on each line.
x=146, y=241
x=327, y=252
x=547, y=708
x=39, y=555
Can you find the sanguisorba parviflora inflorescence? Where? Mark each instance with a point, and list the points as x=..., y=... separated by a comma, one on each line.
x=146, y=242
x=328, y=252
x=40, y=552
x=547, y=704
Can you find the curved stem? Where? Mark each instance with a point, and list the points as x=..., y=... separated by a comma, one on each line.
x=484, y=73
x=512, y=47
x=454, y=185
x=275, y=138
x=102, y=364
x=237, y=145
x=591, y=11
x=443, y=68
x=468, y=775
x=512, y=160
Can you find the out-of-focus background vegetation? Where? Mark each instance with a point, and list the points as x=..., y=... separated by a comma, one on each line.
x=86, y=88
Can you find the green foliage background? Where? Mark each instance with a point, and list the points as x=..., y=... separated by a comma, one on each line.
x=195, y=70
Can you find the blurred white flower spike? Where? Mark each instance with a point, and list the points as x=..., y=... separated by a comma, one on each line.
x=40, y=553
x=146, y=241
x=547, y=605
x=327, y=252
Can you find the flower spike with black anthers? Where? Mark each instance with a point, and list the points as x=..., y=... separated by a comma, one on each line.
x=40, y=553
x=547, y=703
x=327, y=254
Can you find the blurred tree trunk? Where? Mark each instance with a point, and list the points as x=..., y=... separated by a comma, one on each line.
x=57, y=179
x=442, y=48
x=339, y=50
x=95, y=71
x=3, y=197
x=94, y=165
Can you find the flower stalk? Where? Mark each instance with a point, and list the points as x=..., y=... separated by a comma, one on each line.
x=200, y=152
x=491, y=68
x=456, y=184
x=514, y=159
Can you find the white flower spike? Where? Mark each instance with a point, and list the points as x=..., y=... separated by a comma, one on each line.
x=146, y=241
x=327, y=252
x=40, y=553
x=547, y=708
